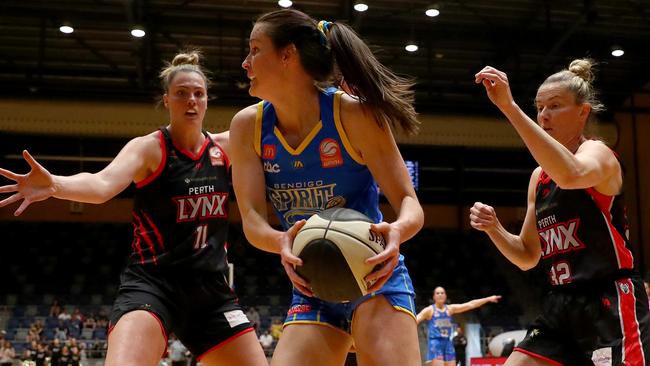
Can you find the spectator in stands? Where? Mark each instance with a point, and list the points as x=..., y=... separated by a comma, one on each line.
x=64, y=358
x=75, y=356
x=276, y=328
x=77, y=315
x=175, y=279
x=266, y=340
x=460, y=343
x=253, y=317
x=61, y=332
x=64, y=316
x=177, y=351
x=55, y=309
x=39, y=355
x=7, y=354
x=90, y=322
x=55, y=351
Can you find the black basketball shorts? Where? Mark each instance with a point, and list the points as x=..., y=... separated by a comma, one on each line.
x=604, y=324
x=199, y=307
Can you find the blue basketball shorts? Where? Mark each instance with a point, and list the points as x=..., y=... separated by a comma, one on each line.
x=441, y=349
x=398, y=290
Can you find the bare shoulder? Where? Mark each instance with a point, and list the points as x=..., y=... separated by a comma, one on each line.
x=245, y=118
x=146, y=144
x=353, y=112
x=222, y=139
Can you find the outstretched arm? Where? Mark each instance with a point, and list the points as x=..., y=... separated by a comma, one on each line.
x=522, y=250
x=425, y=314
x=39, y=184
x=471, y=305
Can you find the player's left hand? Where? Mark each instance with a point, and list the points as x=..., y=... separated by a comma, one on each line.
x=387, y=259
x=494, y=298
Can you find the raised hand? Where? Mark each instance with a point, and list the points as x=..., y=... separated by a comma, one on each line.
x=496, y=85
x=37, y=185
x=483, y=217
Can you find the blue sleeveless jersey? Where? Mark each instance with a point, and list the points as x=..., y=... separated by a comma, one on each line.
x=324, y=171
x=440, y=325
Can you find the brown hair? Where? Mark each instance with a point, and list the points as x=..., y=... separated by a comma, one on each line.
x=186, y=61
x=578, y=79
x=388, y=96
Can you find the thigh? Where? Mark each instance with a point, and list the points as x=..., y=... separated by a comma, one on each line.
x=244, y=350
x=313, y=345
x=384, y=335
x=138, y=339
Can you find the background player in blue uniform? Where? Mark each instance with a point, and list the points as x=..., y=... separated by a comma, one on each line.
x=440, y=326
x=575, y=226
x=310, y=149
x=175, y=280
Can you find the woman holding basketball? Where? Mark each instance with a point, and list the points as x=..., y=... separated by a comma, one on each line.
x=576, y=226
x=175, y=280
x=309, y=148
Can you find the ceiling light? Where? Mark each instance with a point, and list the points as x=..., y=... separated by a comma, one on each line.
x=285, y=3
x=360, y=6
x=138, y=32
x=411, y=47
x=66, y=28
x=432, y=12
x=617, y=51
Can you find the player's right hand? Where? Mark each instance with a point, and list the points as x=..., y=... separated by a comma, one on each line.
x=37, y=185
x=483, y=217
x=290, y=261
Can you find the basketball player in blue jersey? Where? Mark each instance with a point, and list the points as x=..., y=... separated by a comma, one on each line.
x=575, y=227
x=309, y=148
x=440, y=330
x=176, y=278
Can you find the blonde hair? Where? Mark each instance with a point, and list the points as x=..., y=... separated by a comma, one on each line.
x=578, y=79
x=187, y=61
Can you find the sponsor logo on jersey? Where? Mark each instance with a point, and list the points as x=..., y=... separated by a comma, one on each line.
x=297, y=309
x=216, y=156
x=268, y=152
x=624, y=288
x=297, y=164
x=271, y=167
x=330, y=153
x=235, y=318
x=560, y=238
x=201, y=206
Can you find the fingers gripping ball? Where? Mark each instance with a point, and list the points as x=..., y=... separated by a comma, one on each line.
x=333, y=246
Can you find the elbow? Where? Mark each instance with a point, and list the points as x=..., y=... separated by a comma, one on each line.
x=528, y=263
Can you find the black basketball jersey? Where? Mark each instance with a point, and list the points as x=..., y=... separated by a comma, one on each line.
x=180, y=214
x=583, y=233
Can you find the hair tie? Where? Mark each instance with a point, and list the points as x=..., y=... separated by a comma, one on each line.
x=324, y=28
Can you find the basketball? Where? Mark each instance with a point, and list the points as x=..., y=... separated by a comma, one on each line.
x=333, y=246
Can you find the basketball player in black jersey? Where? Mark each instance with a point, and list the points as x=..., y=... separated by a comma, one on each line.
x=575, y=227
x=175, y=280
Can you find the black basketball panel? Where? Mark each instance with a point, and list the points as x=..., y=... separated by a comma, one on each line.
x=343, y=214
x=305, y=236
x=327, y=271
